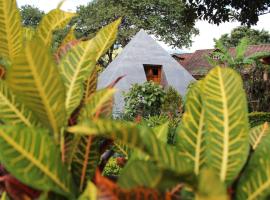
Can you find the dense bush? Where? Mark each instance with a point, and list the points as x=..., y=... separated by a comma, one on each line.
x=150, y=99
x=144, y=99
x=172, y=104
x=257, y=118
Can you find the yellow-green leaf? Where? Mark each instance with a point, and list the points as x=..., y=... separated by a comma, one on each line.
x=96, y=102
x=28, y=33
x=226, y=122
x=257, y=134
x=10, y=29
x=34, y=77
x=141, y=138
x=55, y=19
x=90, y=193
x=69, y=37
x=254, y=183
x=80, y=61
x=12, y=111
x=32, y=157
x=191, y=133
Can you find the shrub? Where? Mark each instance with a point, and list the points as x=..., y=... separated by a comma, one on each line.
x=145, y=100
x=172, y=104
x=257, y=118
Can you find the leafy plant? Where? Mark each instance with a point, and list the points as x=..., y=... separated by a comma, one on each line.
x=41, y=96
x=212, y=145
x=145, y=100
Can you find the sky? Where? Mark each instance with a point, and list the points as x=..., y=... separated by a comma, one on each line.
x=205, y=40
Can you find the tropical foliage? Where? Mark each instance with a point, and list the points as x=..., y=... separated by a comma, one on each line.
x=144, y=100
x=40, y=96
x=213, y=144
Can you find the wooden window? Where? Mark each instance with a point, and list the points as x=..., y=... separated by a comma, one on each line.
x=153, y=73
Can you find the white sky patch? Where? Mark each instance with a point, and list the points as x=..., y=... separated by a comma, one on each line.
x=205, y=40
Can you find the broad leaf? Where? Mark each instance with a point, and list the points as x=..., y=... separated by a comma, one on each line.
x=255, y=181
x=90, y=85
x=210, y=187
x=90, y=193
x=35, y=79
x=28, y=33
x=141, y=138
x=96, y=102
x=139, y=173
x=226, y=123
x=33, y=158
x=85, y=159
x=162, y=132
x=69, y=37
x=80, y=62
x=10, y=29
x=191, y=134
x=257, y=134
x=12, y=111
x=55, y=19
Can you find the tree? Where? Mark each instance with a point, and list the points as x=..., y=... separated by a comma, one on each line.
x=257, y=84
x=31, y=16
x=165, y=19
x=215, y=11
x=254, y=36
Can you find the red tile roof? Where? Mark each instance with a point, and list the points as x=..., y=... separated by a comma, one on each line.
x=197, y=64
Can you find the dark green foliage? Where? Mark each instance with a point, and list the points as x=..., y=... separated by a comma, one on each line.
x=253, y=71
x=161, y=18
x=254, y=36
x=144, y=100
x=244, y=11
x=31, y=16
x=257, y=118
x=172, y=104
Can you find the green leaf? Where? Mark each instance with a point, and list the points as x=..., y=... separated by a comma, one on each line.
x=96, y=102
x=4, y=196
x=162, y=132
x=12, y=111
x=191, y=133
x=28, y=33
x=139, y=173
x=141, y=138
x=35, y=79
x=10, y=29
x=55, y=19
x=80, y=61
x=255, y=181
x=69, y=37
x=85, y=159
x=90, y=193
x=210, y=187
x=226, y=121
x=32, y=157
x=257, y=134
